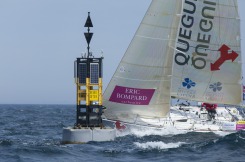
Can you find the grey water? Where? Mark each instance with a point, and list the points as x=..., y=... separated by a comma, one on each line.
x=34, y=132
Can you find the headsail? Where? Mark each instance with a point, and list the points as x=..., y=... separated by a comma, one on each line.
x=207, y=60
x=140, y=86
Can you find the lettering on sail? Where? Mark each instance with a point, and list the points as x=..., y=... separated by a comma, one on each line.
x=217, y=97
x=133, y=96
x=192, y=48
x=184, y=93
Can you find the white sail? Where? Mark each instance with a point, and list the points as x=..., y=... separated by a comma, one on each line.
x=140, y=87
x=207, y=60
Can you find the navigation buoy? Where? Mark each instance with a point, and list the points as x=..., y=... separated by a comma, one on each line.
x=88, y=78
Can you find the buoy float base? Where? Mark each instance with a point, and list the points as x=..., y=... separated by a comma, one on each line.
x=84, y=135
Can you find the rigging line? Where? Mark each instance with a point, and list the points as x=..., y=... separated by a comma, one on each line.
x=201, y=47
x=146, y=66
x=143, y=124
x=142, y=80
x=153, y=38
x=206, y=49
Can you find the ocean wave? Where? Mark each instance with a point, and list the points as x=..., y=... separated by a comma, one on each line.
x=6, y=142
x=147, y=131
x=159, y=145
x=28, y=137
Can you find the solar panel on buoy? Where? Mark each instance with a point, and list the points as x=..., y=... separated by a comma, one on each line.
x=82, y=73
x=94, y=73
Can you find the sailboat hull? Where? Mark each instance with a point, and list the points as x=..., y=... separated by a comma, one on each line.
x=191, y=119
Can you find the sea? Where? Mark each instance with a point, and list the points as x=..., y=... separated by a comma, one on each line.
x=33, y=133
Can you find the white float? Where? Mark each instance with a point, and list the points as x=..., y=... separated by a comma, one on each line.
x=84, y=135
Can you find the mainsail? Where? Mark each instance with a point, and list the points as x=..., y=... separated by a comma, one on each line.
x=207, y=60
x=188, y=49
x=140, y=87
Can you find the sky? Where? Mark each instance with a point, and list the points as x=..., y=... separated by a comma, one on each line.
x=40, y=39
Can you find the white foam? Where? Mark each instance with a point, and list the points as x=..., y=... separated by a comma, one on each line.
x=157, y=145
x=146, y=131
x=222, y=133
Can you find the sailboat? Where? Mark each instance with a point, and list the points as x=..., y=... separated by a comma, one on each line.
x=183, y=49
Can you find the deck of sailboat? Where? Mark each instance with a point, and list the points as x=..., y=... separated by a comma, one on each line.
x=193, y=118
x=196, y=118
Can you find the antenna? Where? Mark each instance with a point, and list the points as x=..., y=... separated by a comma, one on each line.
x=102, y=52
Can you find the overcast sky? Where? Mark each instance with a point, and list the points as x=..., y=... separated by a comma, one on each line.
x=40, y=39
